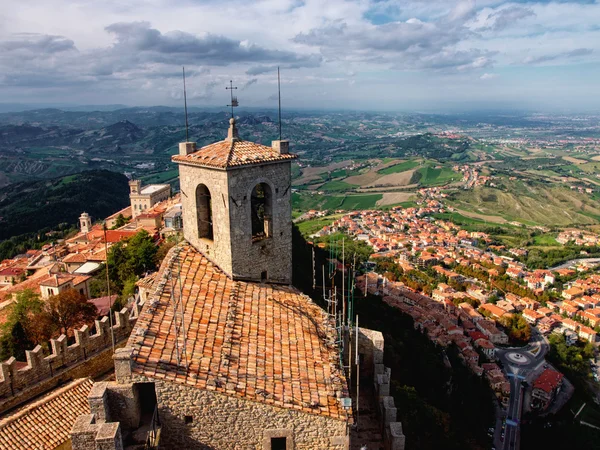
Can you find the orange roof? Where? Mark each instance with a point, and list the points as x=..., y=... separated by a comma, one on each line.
x=47, y=422
x=75, y=258
x=548, y=380
x=266, y=343
x=232, y=153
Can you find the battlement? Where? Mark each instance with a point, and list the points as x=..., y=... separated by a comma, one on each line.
x=16, y=379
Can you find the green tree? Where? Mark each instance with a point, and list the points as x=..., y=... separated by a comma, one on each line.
x=120, y=221
x=23, y=327
x=131, y=258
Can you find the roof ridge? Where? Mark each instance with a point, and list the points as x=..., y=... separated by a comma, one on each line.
x=230, y=154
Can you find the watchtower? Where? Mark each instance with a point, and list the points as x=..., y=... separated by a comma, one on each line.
x=85, y=223
x=236, y=200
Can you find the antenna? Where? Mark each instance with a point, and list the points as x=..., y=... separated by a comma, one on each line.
x=279, y=96
x=234, y=100
x=185, y=106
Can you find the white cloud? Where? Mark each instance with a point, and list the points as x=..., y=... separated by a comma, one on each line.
x=488, y=76
x=132, y=50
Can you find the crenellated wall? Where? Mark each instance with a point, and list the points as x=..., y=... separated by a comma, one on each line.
x=43, y=372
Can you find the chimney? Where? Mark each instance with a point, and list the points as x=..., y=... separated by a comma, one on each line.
x=185, y=148
x=232, y=133
x=281, y=147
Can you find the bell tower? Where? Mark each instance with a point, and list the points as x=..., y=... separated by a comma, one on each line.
x=236, y=199
x=85, y=223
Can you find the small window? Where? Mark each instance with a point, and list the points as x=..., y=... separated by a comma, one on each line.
x=278, y=443
x=263, y=275
x=188, y=419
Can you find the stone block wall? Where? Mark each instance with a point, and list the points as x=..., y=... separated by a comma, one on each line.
x=88, y=434
x=273, y=254
x=193, y=418
x=218, y=250
x=43, y=372
x=371, y=347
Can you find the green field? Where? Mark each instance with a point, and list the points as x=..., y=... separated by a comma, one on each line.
x=401, y=167
x=337, y=186
x=545, y=240
x=160, y=177
x=530, y=203
x=429, y=176
x=309, y=227
x=305, y=201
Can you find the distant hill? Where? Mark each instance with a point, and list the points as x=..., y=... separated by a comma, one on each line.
x=33, y=205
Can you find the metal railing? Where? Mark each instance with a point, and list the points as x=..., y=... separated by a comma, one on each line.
x=153, y=435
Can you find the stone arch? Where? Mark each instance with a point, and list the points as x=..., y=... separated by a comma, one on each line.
x=261, y=211
x=204, y=212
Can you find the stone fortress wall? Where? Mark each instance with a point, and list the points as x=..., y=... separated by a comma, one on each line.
x=370, y=348
x=90, y=355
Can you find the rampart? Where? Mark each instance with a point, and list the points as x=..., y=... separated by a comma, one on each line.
x=90, y=355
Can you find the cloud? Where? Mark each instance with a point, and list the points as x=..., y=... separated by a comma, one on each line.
x=177, y=47
x=411, y=44
x=555, y=56
x=507, y=17
x=249, y=83
x=488, y=76
x=34, y=46
x=259, y=70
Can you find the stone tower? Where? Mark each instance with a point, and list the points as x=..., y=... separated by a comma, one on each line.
x=135, y=187
x=85, y=223
x=236, y=199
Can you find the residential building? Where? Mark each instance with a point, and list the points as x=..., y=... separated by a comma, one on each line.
x=545, y=388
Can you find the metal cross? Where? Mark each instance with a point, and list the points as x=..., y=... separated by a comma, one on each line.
x=234, y=100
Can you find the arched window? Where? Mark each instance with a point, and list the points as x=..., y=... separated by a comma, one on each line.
x=204, y=211
x=261, y=205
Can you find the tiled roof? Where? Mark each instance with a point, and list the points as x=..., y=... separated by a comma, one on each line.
x=548, y=380
x=75, y=258
x=232, y=153
x=265, y=343
x=46, y=423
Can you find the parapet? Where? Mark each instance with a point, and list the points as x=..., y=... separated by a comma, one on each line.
x=14, y=380
x=86, y=434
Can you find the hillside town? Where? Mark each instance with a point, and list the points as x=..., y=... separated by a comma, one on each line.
x=461, y=290
x=71, y=263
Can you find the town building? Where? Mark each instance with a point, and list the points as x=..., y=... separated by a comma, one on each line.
x=545, y=388
x=145, y=198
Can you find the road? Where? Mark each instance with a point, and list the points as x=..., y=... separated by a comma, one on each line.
x=571, y=262
x=522, y=364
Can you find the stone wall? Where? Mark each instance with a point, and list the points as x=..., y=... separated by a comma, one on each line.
x=232, y=247
x=273, y=254
x=90, y=355
x=370, y=349
x=192, y=418
x=218, y=250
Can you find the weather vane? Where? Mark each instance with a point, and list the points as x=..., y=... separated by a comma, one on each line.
x=234, y=100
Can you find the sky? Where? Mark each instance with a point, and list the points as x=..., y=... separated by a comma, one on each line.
x=410, y=55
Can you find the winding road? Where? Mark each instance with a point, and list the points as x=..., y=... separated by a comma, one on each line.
x=521, y=364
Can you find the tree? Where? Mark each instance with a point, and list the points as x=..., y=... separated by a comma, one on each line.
x=119, y=222
x=69, y=309
x=131, y=258
x=23, y=327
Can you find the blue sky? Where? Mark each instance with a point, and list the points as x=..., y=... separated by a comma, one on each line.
x=363, y=54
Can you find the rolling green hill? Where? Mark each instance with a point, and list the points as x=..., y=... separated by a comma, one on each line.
x=33, y=205
x=533, y=203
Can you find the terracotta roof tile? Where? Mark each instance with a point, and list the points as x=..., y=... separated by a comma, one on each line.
x=47, y=422
x=266, y=343
x=232, y=153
